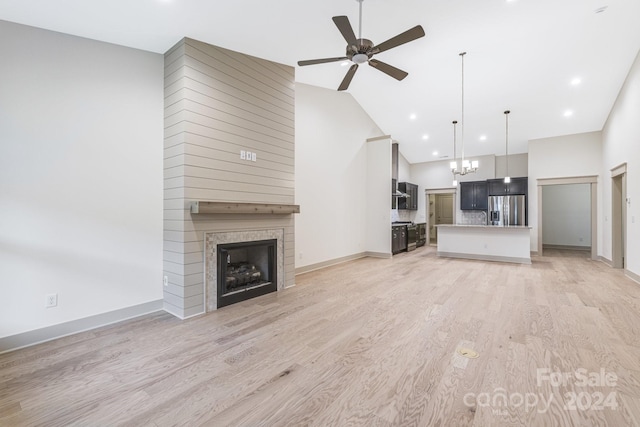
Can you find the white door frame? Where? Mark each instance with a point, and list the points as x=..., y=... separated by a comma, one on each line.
x=429, y=191
x=619, y=216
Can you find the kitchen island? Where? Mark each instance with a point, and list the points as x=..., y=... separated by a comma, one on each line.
x=485, y=242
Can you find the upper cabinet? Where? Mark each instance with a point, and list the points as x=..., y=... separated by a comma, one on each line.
x=473, y=195
x=497, y=187
x=411, y=202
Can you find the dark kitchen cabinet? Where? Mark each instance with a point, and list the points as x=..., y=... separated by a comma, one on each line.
x=408, y=203
x=473, y=195
x=398, y=238
x=497, y=187
x=421, y=230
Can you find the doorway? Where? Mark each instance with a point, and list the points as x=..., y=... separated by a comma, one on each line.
x=566, y=213
x=440, y=210
x=593, y=186
x=618, y=216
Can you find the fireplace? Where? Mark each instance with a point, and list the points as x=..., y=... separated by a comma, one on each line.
x=246, y=270
x=230, y=253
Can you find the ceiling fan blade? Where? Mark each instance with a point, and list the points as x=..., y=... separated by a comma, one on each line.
x=342, y=22
x=347, y=79
x=406, y=37
x=322, y=61
x=394, y=72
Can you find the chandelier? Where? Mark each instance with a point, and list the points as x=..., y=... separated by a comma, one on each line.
x=466, y=166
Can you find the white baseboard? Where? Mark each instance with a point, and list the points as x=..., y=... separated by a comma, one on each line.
x=484, y=257
x=630, y=274
x=312, y=267
x=605, y=260
x=37, y=336
x=633, y=276
x=383, y=255
x=567, y=247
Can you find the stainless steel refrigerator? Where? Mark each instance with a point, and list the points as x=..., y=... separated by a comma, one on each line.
x=507, y=210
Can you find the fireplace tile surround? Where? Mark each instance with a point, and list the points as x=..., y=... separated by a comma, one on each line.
x=213, y=239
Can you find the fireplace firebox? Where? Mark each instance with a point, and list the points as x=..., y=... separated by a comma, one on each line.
x=246, y=270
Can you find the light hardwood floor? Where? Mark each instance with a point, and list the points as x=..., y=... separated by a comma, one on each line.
x=370, y=342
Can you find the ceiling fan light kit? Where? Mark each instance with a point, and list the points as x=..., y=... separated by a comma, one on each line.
x=360, y=51
x=359, y=58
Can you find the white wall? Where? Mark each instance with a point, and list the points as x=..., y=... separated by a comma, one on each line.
x=561, y=157
x=81, y=177
x=566, y=215
x=378, y=228
x=404, y=169
x=621, y=144
x=518, y=165
x=404, y=175
x=437, y=175
x=331, y=172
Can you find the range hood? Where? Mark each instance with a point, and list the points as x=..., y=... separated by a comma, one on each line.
x=394, y=173
x=399, y=194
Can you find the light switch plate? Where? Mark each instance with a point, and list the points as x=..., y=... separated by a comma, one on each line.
x=243, y=155
x=253, y=157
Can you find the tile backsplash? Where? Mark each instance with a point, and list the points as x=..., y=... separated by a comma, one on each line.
x=402, y=215
x=473, y=217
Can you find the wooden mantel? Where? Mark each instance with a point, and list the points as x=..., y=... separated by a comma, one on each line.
x=203, y=207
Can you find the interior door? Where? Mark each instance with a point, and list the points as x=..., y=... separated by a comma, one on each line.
x=444, y=208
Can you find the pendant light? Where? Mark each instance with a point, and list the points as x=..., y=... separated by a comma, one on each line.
x=465, y=165
x=454, y=164
x=507, y=178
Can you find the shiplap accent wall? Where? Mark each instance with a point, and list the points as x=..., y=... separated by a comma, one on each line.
x=217, y=103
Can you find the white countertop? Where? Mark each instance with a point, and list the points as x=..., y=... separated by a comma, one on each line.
x=493, y=227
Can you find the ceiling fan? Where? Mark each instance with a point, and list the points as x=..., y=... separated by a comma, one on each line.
x=361, y=50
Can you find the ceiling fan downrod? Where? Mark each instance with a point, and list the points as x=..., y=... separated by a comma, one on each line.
x=360, y=23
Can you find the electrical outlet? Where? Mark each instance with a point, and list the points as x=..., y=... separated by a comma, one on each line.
x=52, y=300
x=300, y=255
x=165, y=280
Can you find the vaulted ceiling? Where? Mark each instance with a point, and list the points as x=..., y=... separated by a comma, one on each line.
x=558, y=65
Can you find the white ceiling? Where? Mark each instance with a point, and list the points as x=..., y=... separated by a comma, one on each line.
x=521, y=55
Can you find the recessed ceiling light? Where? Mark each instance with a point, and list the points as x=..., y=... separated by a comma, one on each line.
x=425, y=136
x=483, y=137
x=576, y=81
x=413, y=117
x=568, y=113
x=435, y=153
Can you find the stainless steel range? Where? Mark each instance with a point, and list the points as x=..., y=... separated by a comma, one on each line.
x=411, y=233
